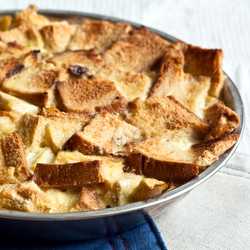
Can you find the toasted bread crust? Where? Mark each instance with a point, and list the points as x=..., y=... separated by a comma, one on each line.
x=209, y=151
x=148, y=188
x=88, y=199
x=116, y=107
x=58, y=127
x=90, y=95
x=11, y=103
x=56, y=114
x=79, y=143
x=29, y=58
x=190, y=90
x=134, y=163
x=95, y=33
x=168, y=171
x=34, y=84
x=14, y=155
x=29, y=15
x=166, y=149
x=24, y=197
x=41, y=99
x=198, y=61
x=68, y=175
x=25, y=34
x=139, y=51
x=56, y=36
x=32, y=129
x=160, y=158
x=131, y=84
x=173, y=172
x=170, y=114
x=105, y=134
x=211, y=61
x=223, y=119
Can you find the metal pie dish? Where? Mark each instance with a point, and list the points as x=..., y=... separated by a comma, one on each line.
x=99, y=223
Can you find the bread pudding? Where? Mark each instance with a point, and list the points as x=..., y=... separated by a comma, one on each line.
x=99, y=114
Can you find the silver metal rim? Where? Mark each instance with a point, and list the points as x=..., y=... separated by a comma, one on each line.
x=164, y=198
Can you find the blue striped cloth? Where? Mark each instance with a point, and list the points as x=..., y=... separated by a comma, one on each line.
x=145, y=236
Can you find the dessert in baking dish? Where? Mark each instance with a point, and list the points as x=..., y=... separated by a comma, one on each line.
x=99, y=114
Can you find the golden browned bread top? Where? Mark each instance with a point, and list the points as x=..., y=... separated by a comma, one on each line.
x=161, y=115
x=130, y=83
x=210, y=150
x=105, y=134
x=198, y=61
x=34, y=83
x=163, y=149
x=90, y=95
x=57, y=36
x=29, y=15
x=223, y=119
x=26, y=197
x=189, y=90
x=95, y=33
x=25, y=34
x=139, y=51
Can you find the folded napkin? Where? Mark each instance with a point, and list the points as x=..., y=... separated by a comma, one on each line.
x=144, y=236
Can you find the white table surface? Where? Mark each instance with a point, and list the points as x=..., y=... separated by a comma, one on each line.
x=215, y=215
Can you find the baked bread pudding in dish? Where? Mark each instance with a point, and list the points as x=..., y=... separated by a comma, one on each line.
x=99, y=114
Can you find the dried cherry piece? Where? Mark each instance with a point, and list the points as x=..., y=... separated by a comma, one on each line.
x=78, y=70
